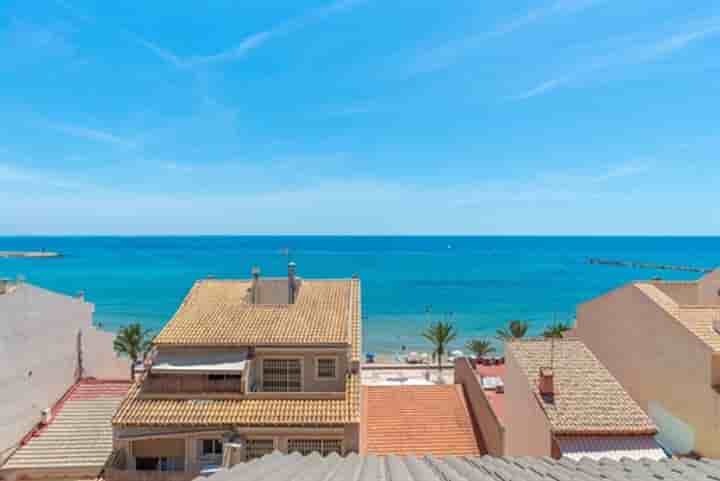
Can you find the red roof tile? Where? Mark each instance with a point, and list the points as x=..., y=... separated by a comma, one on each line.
x=496, y=399
x=417, y=419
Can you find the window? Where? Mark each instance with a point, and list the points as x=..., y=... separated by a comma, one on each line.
x=322, y=446
x=257, y=448
x=212, y=447
x=282, y=375
x=159, y=464
x=224, y=377
x=326, y=368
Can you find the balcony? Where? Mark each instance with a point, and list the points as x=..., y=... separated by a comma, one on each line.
x=117, y=470
x=116, y=474
x=192, y=384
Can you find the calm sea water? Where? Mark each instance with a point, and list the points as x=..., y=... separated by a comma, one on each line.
x=477, y=282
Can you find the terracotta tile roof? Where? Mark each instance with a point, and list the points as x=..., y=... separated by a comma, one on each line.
x=218, y=313
x=496, y=399
x=79, y=435
x=588, y=399
x=417, y=419
x=136, y=411
x=696, y=319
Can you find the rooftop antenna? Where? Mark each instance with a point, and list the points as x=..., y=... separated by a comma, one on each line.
x=285, y=251
x=552, y=342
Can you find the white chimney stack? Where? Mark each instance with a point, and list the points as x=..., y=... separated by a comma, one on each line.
x=46, y=416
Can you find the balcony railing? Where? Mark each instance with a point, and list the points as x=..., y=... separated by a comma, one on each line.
x=191, y=384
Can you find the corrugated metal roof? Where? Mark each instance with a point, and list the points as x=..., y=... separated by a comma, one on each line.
x=279, y=467
x=610, y=447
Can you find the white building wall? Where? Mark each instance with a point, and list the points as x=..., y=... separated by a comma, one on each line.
x=99, y=359
x=38, y=355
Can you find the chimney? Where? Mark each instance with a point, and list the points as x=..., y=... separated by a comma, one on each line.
x=46, y=416
x=292, y=268
x=254, y=287
x=546, y=384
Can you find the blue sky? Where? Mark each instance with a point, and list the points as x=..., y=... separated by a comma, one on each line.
x=360, y=117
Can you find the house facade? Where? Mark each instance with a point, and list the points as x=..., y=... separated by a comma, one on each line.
x=48, y=343
x=245, y=367
x=661, y=340
x=562, y=402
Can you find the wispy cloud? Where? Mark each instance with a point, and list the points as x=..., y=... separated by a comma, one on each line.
x=584, y=178
x=176, y=167
x=25, y=41
x=91, y=134
x=631, y=52
x=544, y=87
x=443, y=56
x=251, y=42
x=559, y=7
x=13, y=176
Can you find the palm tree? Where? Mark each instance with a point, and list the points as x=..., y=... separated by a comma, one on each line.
x=556, y=330
x=440, y=334
x=516, y=329
x=481, y=347
x=134, y=342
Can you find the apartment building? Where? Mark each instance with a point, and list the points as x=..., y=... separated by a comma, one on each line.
x=554, y=398
x=245, y=367
x=661, y=340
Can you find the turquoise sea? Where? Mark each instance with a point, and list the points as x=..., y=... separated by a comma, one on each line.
x=477, y=282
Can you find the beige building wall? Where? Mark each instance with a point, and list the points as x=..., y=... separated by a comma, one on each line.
x=664, y=367
x=308, y=357
x=38, y=355
x=186, y=444
x=527, y=429
x=709, y=289
x=493, y=431
x=681, y=292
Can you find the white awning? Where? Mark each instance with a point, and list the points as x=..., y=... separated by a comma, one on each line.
x=207, y=363
x=611, y=447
